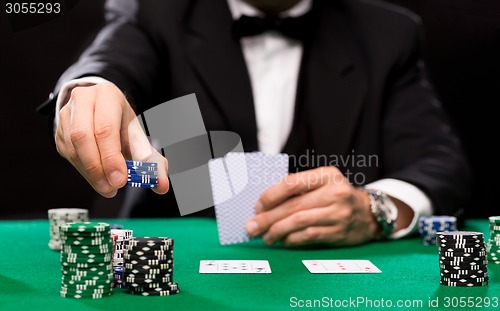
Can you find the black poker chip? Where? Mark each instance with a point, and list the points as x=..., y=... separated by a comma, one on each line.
x=153, y=277
x=477, y=279
x=146, y=256
x=463, y=272
x=459, y=284
x=462, y=259
x=148, y=264
x=136, y=287
x=155, y=293
x=147, y=281
x=471, y=275
x=146, y=251
x=143, y=286
x=153, y=269
x=151, y=242
x=461, y=251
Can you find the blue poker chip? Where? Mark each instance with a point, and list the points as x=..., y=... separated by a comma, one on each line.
x=142, y=171
x=142, y=179
x=141, y=185
x=428, y=226
x=143, y=168
x=140, y=163
x=148, y=168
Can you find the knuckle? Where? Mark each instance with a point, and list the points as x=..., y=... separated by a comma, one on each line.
x=72, y=156
x=272, y=231
x=345, y=213
x=343, y=191
x=77, y=93
x=291, y=182
x=106, y=86
x=294, y=203
x=332, y=170
x=302, y=219
x=311, y=233
x=110, y=88
x=265, y=198
x=93, y=168
x=275, y=230
x=264, y=222
x=109, y=159
x=293, y=241
x=64, y=112
x=78, y=135
x=60, y=147
x=103, y=131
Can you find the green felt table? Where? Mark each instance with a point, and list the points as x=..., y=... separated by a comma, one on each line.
x=30, y=274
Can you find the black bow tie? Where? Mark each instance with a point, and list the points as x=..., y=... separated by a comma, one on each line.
x=293, y=27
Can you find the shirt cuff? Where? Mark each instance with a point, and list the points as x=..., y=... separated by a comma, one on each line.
x=65, y=91
x=407, y=193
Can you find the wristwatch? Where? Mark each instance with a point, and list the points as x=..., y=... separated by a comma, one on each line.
x=384, y=210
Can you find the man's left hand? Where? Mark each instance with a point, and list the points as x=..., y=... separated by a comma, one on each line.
x=318, y=206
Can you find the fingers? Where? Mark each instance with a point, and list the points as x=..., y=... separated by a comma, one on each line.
x=301, y=221
x=86, y=156
x=344, y=221
x=61, y=131
x=140, y=148
x=163, y=182
x=96, y=129
x=296, y=184
x=328, y=235
x=320, y=197
x=107, y=128
x=328, y=211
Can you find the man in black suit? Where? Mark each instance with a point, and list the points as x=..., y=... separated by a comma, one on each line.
x=346, y=82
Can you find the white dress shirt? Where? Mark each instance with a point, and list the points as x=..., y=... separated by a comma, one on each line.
x=273, y=63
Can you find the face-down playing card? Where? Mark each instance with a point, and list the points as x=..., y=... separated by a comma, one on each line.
x=234, y=204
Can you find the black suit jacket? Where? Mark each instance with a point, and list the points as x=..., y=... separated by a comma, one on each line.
x=362, y=89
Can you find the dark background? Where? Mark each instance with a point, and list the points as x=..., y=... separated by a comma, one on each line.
x=462, y=53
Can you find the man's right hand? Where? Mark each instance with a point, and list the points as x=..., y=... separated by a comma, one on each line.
x=97, y=130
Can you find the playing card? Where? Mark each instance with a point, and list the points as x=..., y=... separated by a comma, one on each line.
x=234, y=208
x=340, y=266
x=228, y=176
x=234, y=266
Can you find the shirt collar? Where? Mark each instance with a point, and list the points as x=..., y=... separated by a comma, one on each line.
x=240, y=7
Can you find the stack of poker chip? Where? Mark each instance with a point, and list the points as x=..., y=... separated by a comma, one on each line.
x=493, y=248
x=429, y=225
x=142, y=174
x=149, y=266
x=86, y=256
x=462, y=259
x=119, y=237
x=61, y=216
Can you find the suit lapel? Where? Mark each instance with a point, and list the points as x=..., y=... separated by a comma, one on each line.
x=332, y=81
x=219, y=61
